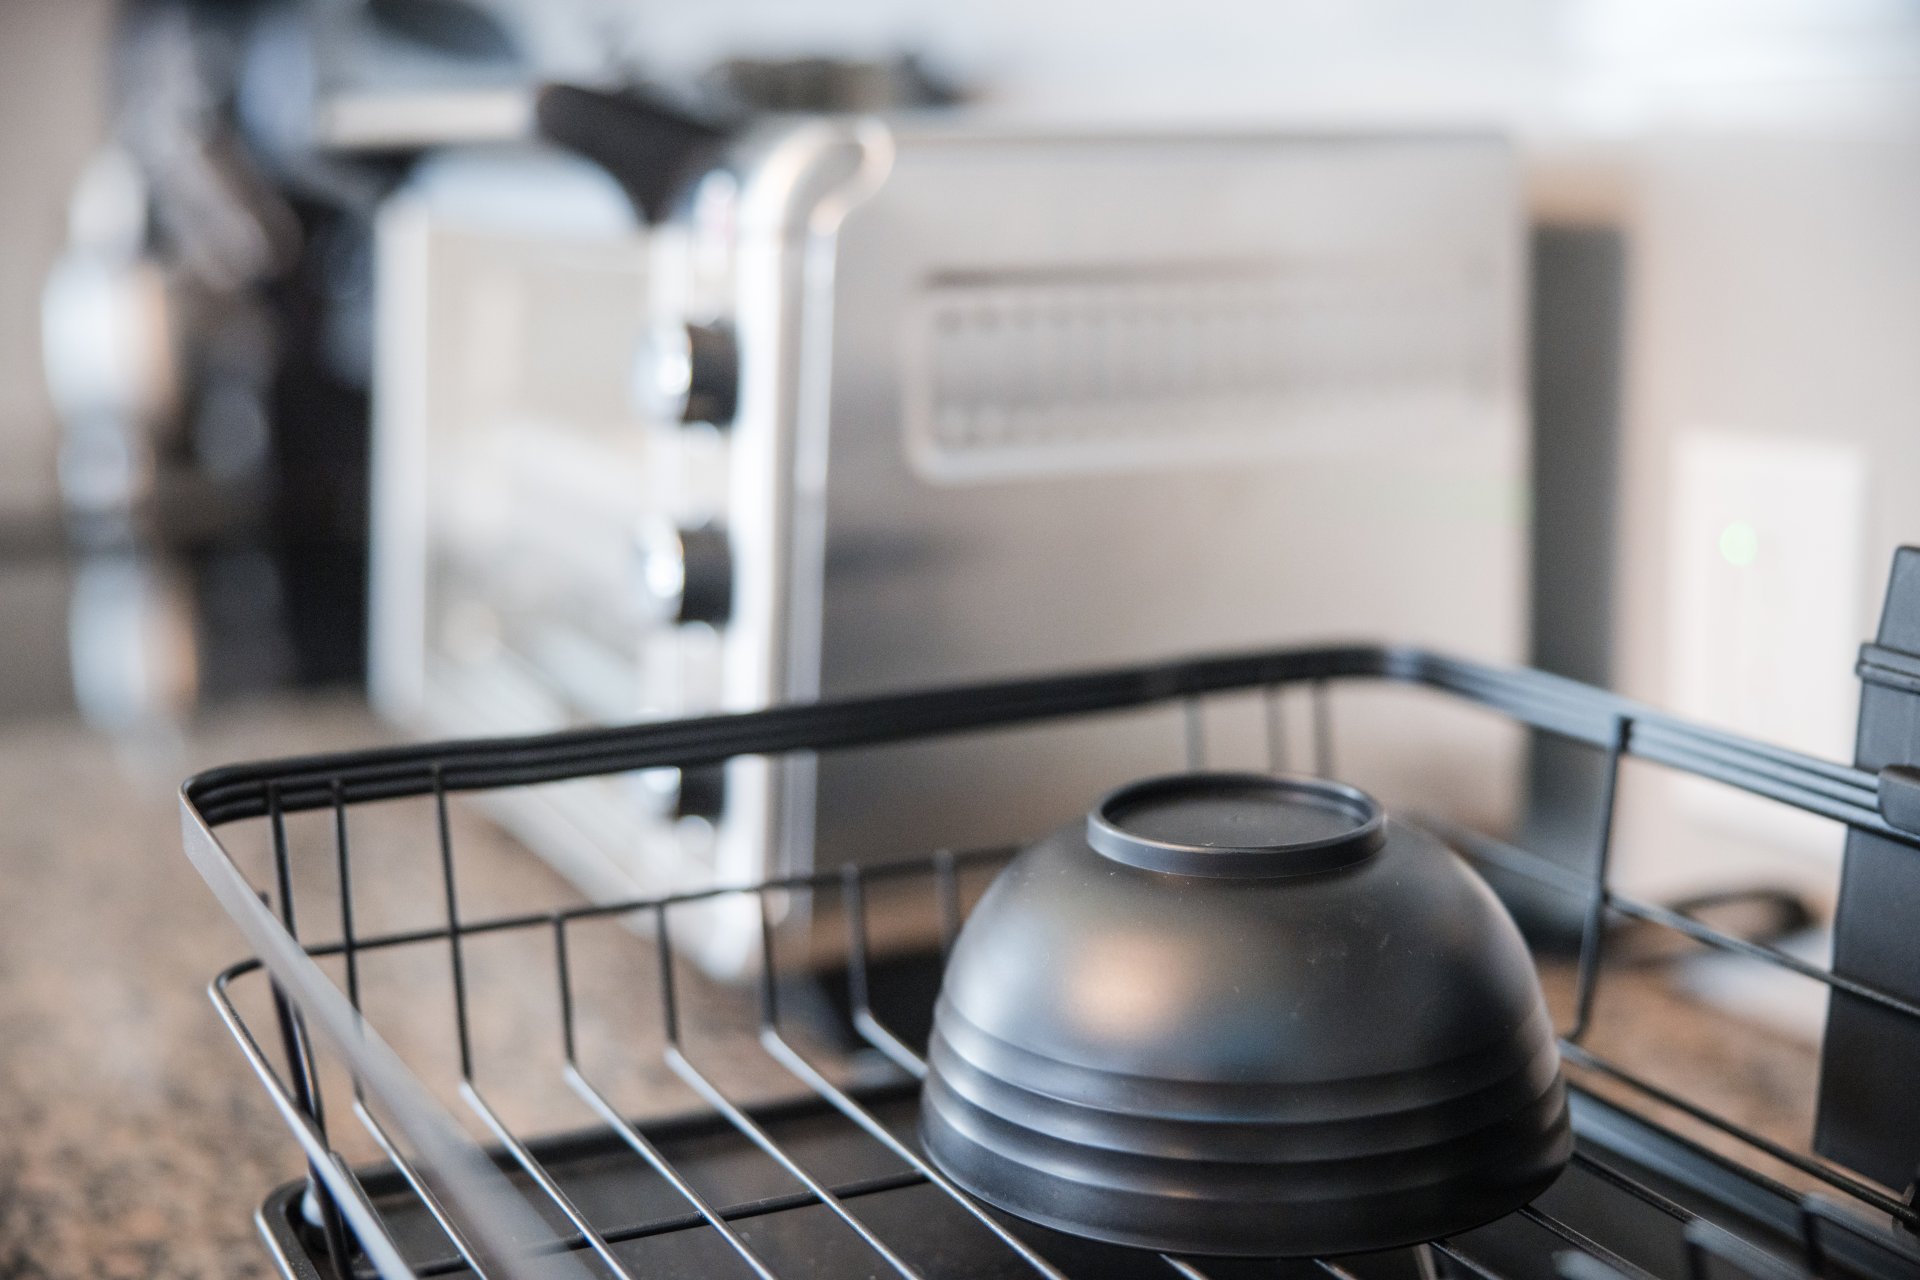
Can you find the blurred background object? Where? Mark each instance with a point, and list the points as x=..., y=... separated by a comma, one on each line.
x=1720, y=292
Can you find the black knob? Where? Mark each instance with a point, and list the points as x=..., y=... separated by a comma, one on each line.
x=686, y=575
x=688, y=373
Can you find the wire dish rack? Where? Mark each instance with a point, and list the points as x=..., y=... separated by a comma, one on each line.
x=432, y=1172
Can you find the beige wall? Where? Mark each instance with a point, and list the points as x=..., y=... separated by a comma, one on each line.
x=51, y=117
x=1776, y=312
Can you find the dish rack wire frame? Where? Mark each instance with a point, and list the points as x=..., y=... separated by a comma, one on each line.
x=496, y=1232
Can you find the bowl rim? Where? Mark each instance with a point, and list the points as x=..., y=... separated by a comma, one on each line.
x=1109, y=836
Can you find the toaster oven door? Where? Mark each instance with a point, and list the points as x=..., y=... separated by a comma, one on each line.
x=1062, y=402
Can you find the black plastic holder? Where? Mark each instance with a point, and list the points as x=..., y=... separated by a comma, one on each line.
x=1870, y=1115
x=510, y=1205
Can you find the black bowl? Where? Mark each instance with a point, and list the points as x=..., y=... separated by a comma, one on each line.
x=1243, y=1015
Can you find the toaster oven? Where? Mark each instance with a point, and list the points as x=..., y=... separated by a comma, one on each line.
x=915, y=401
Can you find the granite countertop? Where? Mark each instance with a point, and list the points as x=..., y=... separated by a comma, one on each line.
x=134, y=1141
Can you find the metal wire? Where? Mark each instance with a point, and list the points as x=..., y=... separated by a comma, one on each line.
x=415, y=1183
x=636, y=1140
x=293, y=1035
x=869, y=1027
x=338, y=1186
x=1446, y=1249
x=1276, y=727
x=1854, y=1187
x=783, y=1052
x=456, y=955
x=748, y=1128
x=1590, y=1247
x=1608, y=724
x=1704, y=1240
x=1194, y=718
x=542, y=1177
x=1593, y=932
x=1322, y=729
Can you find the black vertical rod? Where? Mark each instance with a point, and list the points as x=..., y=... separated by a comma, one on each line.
x=293, y=1036
x=1593, y=931
x=769, y=997
x=563, y=974
x=349, y=944
x=456, y=954
x=1322, y=730
x=854, y=893
x=1276, y=729
x=1810, y=1243
x=669, y=1003
x=1196, y=740
x=947, y=888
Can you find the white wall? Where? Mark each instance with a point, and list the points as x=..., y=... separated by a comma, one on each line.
x=52, y=114
x=1544, y=66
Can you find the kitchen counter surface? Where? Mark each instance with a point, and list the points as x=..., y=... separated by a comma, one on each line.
x=133, y=1139
x=134, y=1142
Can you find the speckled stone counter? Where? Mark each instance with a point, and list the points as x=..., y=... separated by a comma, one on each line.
x=133, y=1139
x=134, y=1142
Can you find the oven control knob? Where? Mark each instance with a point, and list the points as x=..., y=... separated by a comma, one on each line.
x=688, y=373
x=686, y=575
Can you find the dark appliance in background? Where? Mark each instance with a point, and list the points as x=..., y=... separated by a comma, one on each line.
x=208, y=328
x=207, y=346
x=1580, y=263
x=1577, y=329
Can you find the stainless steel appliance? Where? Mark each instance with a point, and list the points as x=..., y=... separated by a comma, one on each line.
x=934, y=401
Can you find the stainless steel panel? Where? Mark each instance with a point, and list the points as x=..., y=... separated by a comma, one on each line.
x=1094, y=400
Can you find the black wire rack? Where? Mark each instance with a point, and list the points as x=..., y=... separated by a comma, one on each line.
x=476, y=1196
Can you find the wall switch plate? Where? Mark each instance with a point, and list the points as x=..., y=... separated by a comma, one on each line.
x=1764, y=609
